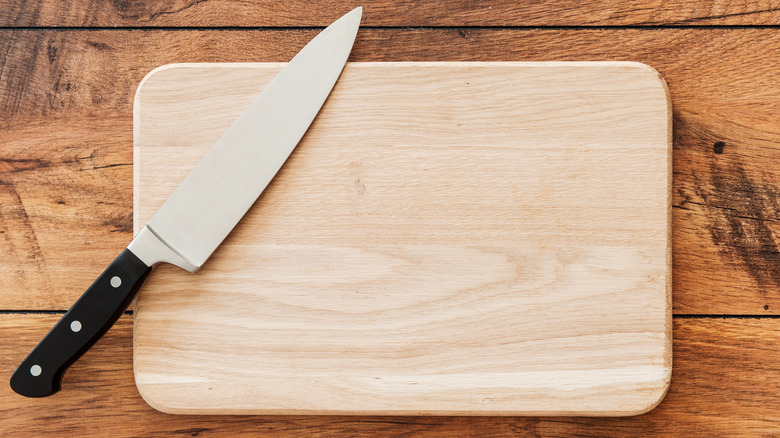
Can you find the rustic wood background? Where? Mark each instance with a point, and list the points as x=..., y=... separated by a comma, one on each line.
x=68, y=72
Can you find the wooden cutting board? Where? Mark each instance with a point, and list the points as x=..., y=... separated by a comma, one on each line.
x=448, y=238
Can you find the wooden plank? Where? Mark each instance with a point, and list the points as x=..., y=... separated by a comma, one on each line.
x=434, y=214
x=87, y=13
x=725, y=382
x=66, y=98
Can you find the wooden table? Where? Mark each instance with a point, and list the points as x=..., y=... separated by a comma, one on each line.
x=68, y=72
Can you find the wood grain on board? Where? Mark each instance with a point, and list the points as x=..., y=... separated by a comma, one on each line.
x=296, y=13
x=66, y=180
x=725, y=382
x=438, y=244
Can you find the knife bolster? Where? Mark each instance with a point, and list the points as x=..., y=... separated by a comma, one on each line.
x=148, y=247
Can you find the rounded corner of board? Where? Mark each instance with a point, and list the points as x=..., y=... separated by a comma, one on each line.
x=149, y=398
x=652, y=75
x=652, y=402
x=144, y=389
x=153, y=73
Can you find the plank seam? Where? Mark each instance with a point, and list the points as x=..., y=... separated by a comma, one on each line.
x=317, y=28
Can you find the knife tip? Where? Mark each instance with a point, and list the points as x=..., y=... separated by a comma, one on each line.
x=350, y=20
x=357, y=11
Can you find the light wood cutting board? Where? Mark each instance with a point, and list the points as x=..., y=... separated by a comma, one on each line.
x=448, y=238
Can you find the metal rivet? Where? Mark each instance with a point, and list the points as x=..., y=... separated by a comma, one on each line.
x=75, y=326
x=116, y=281
x=35, y=370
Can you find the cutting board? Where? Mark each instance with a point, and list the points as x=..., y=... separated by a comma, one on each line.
x=447, y=239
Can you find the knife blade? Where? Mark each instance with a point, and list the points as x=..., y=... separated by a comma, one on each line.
x=204, y=208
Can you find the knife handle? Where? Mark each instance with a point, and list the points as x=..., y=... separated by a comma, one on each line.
x=40, y=374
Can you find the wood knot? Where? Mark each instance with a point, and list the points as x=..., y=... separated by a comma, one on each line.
x=360, y=186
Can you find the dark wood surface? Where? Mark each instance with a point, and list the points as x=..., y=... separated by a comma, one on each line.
x=66, y=183
x=296, y=13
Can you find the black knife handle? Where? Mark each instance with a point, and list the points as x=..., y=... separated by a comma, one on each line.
x=93, y=314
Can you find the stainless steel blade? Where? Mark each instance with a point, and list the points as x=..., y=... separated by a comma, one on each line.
x=203, y=210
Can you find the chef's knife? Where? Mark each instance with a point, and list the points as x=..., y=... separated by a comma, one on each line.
x=201, y=212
